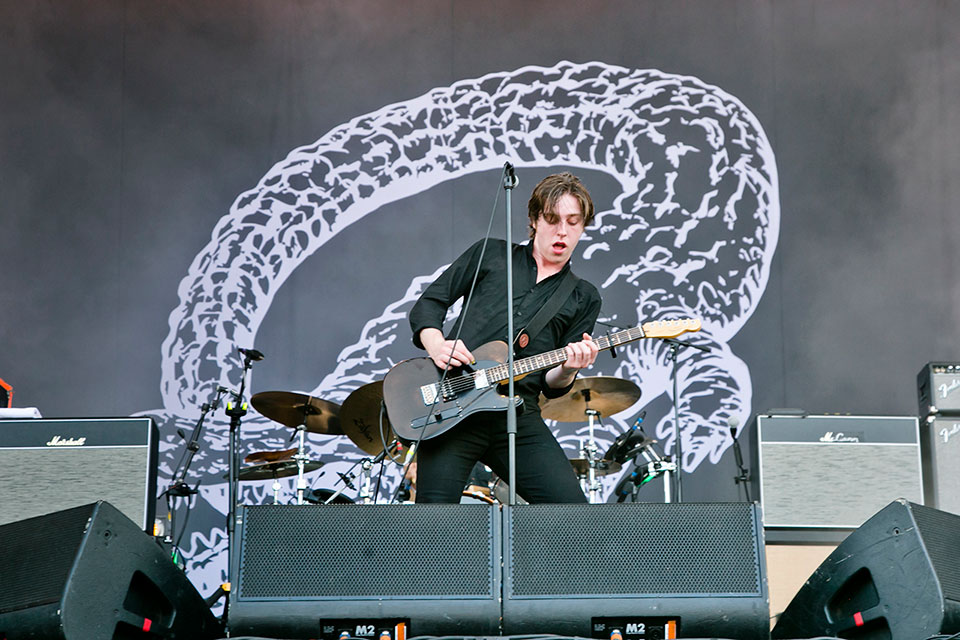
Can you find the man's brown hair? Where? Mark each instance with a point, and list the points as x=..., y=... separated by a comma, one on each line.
x=549, y=190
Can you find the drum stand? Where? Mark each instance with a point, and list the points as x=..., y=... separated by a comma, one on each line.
x=301, y=459
x=658, y=465
x=591, y=483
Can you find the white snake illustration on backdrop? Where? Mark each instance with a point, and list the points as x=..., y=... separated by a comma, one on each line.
x=691, y=233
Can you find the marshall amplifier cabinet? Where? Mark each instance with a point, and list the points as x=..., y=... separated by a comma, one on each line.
x=834, y=472
x=50, y=465
x=938, y=388
x=940, y=447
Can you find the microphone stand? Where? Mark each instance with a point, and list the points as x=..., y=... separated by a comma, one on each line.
x=743, y=476
x=509, y=182
x=178, y=486
x=675, y=346
x=236, y=410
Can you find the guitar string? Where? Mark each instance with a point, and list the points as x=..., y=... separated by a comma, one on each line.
x=498, y=373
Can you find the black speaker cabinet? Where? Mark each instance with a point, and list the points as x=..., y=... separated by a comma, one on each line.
x=315, y=570
x=50, y=465
x=89, y=573
x=897, y=577
x=649, y=570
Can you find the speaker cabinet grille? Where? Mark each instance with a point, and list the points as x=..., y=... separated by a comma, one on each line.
x=835, y=471
x=36, y=561
x=75, y=462
x=371, y=551
x=649, y=549
x=306, y=571
x=940, y=533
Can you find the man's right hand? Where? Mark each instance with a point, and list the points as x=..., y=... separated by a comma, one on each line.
x=446, y=354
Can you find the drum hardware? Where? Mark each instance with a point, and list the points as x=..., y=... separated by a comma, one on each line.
x=592, y=397
x=278, y=469
x=653, y=465
x=303, y=413
x=601, y=467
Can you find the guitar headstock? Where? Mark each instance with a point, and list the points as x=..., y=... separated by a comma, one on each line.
x=670, y=328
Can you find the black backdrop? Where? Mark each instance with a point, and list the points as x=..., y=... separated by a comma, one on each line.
x=129, y=131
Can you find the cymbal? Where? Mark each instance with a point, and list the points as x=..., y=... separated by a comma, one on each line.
x=604, y=467
x=607, y=396
x=295, y=409
x=281, y=469
x=360, y=418
x=270, y=456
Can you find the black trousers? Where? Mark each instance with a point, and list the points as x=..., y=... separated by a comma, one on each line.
x=544, y=475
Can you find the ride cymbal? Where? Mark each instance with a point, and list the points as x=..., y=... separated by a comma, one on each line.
x=603, y=394
x=295, y=409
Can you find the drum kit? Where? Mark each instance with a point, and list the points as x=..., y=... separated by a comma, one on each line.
x=362, y=418
x=589, y=401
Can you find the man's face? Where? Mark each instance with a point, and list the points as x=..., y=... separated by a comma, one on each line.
x=558, y=232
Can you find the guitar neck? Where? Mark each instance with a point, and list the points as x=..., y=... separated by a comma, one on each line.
x=523, y=366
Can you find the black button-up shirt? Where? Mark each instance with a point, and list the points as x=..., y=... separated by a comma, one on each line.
x=486, y=318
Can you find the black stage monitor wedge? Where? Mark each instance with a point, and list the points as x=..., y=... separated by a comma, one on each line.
x=897, y=577
x=314, y=571
x=89, y=573
x=648, y=570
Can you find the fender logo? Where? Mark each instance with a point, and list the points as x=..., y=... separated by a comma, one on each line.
x=57, y=441
x=830, y=436
x=946, y=433
x=945, y=388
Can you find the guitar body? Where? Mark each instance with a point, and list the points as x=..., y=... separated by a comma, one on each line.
x=405, y=404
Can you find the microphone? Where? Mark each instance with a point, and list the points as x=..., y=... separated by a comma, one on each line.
x=619, y=445
x=252, y=354
x=627, y=485
x=732, y=423
x=511, y=175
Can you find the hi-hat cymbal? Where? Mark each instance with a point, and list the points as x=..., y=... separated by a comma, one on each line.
x=281, y=469
x=604, y=467
x=605, y=395
x=258, y=457
x=295, y=409
x=360, y=418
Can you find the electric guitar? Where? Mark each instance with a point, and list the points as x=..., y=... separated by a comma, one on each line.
x=419, y=409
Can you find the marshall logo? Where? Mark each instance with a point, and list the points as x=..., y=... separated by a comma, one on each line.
x=57, y=441
x=945, y=388
x=947, y=433
x=830, y=436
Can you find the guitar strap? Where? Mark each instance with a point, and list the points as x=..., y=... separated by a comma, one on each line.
x=547, y=311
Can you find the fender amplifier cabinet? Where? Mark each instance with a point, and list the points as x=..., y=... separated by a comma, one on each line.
x=940, y=448
x=938, y=388
x=50, y=465
x=834, y=472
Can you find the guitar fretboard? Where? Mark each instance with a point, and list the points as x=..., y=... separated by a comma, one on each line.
x=499, y=373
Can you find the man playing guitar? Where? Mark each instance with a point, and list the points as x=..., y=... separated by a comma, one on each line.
x=559, y=209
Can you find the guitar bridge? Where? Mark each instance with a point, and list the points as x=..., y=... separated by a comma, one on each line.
x=429, y=393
